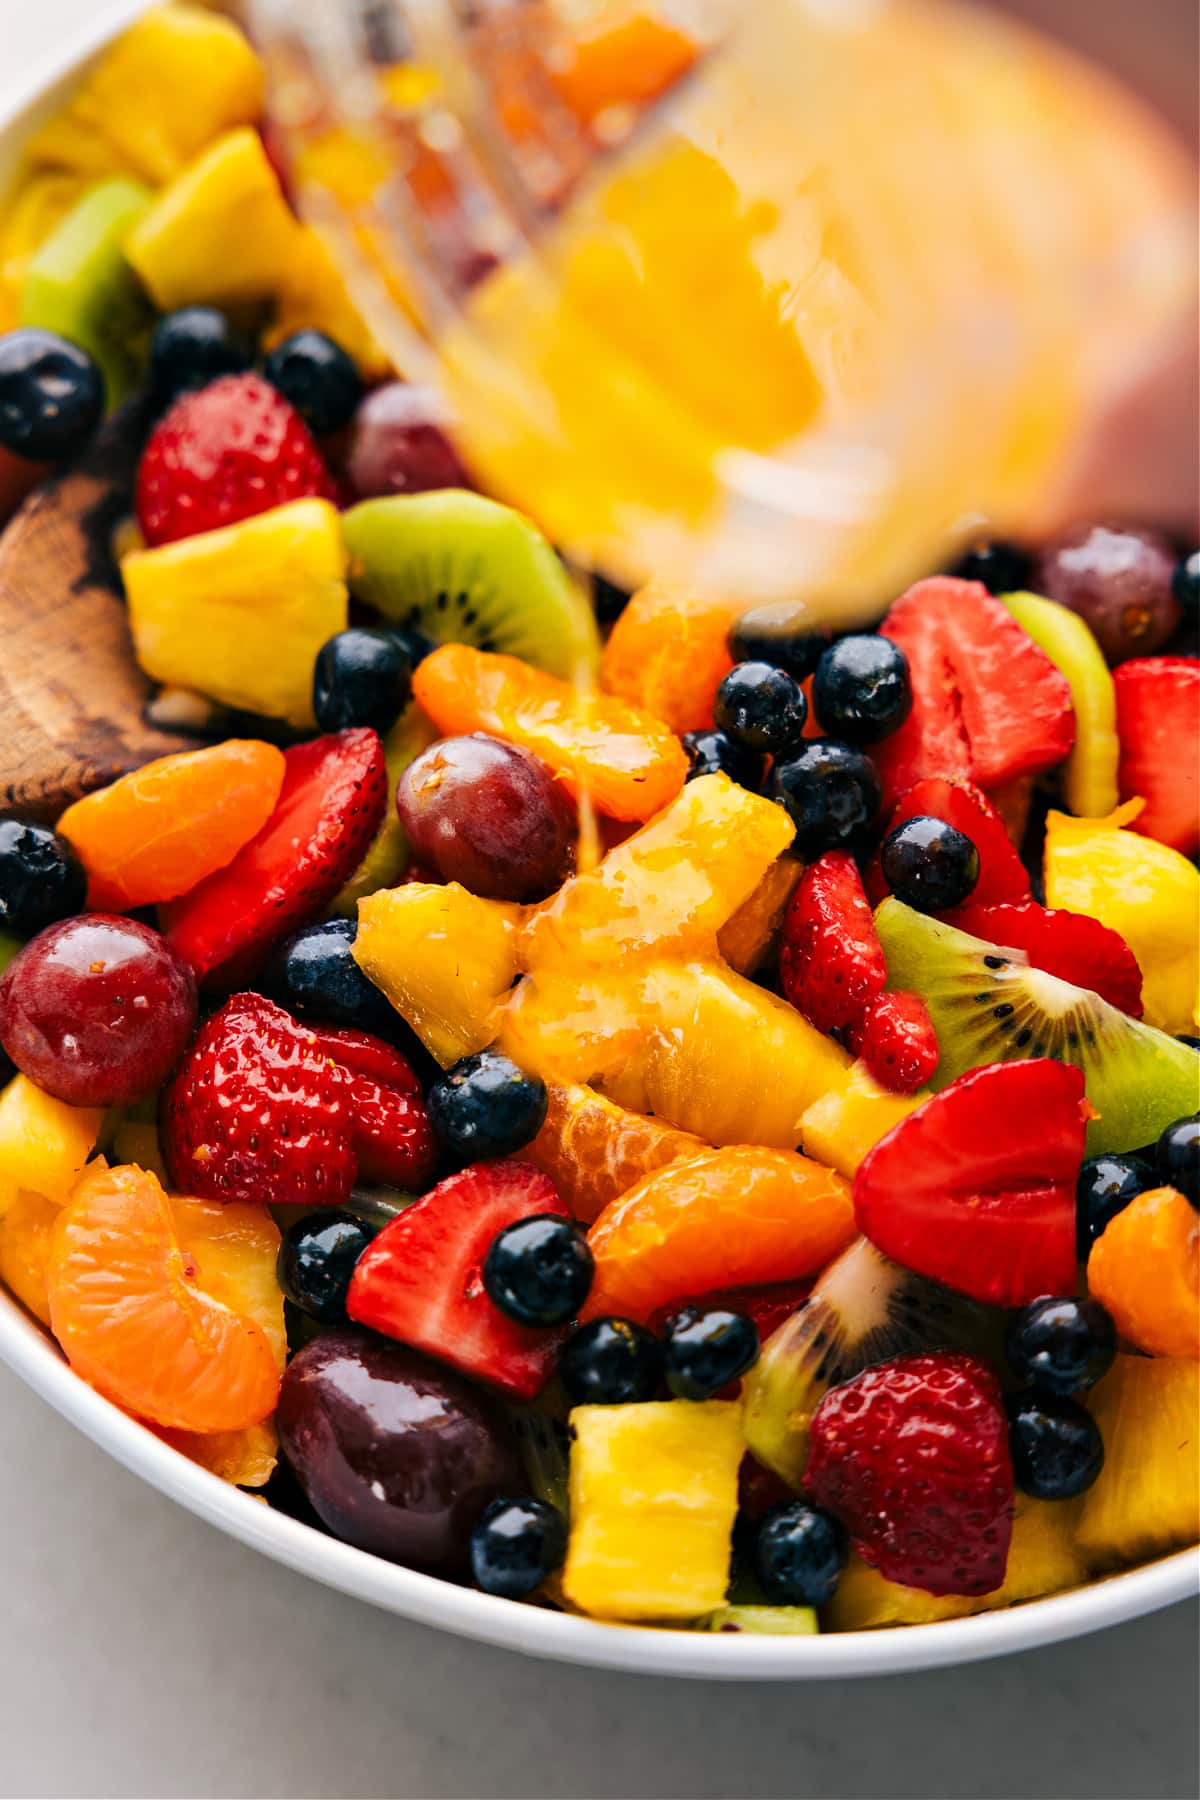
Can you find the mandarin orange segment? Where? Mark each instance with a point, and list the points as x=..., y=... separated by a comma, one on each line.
x=26, y=1230
x=1145, y=1268
x=627, y=762
x=622, y=62
x=594, y=1150
x=245, y=1458
x=669, y=652
x=156, y=833
x=133, y=1312
x=726, y=1218
x=673, y=884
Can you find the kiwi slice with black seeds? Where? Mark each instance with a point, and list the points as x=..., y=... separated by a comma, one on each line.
x=989, y=1005
x=467, y=570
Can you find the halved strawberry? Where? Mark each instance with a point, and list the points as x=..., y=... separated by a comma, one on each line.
x=421, y=1279
x=896, y=1040
x=976, y=1189
x=1158, y=723
x=330, y=806
x=988, y=704
x=1073, y=946
x=1002, y=874
x=768, y=1305
x=831, y=962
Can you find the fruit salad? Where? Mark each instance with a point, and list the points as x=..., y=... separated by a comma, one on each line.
x=635, y=1102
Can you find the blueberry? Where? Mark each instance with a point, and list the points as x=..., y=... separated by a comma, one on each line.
x=314, y=974
x=705, y=1348
x=799, y=1554
x=608, y=600
x=1057, y=1450
x=317, y=1257
x=1178, y=1157
x=1105, y=1187
x=192, y=347
x=610, y=1362
x=831, y=793
x=1185, y=1037
x=318, y=378
x=8, y=1068
x=861, y=690
x=485, y=1107
x=761, y=707
x=1061, y=1345
x=415, y=645
x=515, y=1545
x=713, y=753
x=51, y=395
x=538, y=1271
x=928, y=864
x=779, y=633
x=1002, y=567
x=1185, y=585
x=41, y=878
x=361, y=677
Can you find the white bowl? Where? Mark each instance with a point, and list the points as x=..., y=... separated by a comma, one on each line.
x=534, y=1630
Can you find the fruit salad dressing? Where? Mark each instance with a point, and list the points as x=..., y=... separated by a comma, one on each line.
x=761, y=331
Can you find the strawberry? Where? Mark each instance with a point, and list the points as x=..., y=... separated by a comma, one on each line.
x=988, y=704
x=264, y=1109
x=768, y=1305
x=1073, y=946
x=912, y=1455
x=1002, y=874
x=330, y=806
x=1158, y=723
x=830, y=961
x=421, y=1279
x=232, y=449
x=896, y=1040
x=976, y=1188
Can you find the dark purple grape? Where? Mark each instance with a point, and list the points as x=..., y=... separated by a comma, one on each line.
x=97, y=1010
x=1118, y=581
x=396, y=1454
x=488, y=815
x=398, y=444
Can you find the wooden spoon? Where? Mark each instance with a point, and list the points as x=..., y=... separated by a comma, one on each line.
x=72, y=698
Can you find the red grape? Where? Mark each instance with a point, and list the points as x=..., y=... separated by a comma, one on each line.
x=97, y=1009
x=398, y=445
x=490, y=816
x=1118, y=581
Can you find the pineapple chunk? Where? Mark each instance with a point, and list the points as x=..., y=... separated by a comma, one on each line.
x=312, y=295
x=840, y=1127
x=175, y=80
x=749, y=936
x=653, y=1491
x=25, y=1232
x=1146, y=1499
x=240, y=613
x=221, y=234
x=444, y=958
x=44, y=1143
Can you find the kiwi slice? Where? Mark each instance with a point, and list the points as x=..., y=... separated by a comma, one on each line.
x=543, y=1443
x=989, y=1005
x=79, y=284
x=467, y=570
x=863, y=1310
x=761, y=1621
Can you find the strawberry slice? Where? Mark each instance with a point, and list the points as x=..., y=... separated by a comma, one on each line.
x=1002, y=874
x=330, y=806
x=1158, y=723
x=768, y=1304
x=896, y=1040
x=421, y=1279
x=976, y=1188
x=831, y=962
x=988, y=704
x=1073, y=946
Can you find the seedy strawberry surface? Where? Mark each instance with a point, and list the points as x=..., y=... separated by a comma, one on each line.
x=896, y=1040
x=831, y=962
x=266, y=1110
x=233, y=449
x=912, y=1455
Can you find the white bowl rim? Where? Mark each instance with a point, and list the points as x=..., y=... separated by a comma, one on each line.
x=534, y=1630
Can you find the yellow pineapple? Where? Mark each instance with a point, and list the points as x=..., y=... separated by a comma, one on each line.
x=25, y=1232
x=653, y=1492
x=748, y=936
x=1146, y=1499
x=312, y=295
x=44, y=1143
x=240, y=613
x=843, y=1124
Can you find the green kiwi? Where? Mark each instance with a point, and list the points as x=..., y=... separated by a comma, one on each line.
x=387, y=859
x=544, y=1446
x=863, y=1310
x=464, y=569
x=771, y=1621
x=79, y=284
x=988, y=1005
x=9, y=946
